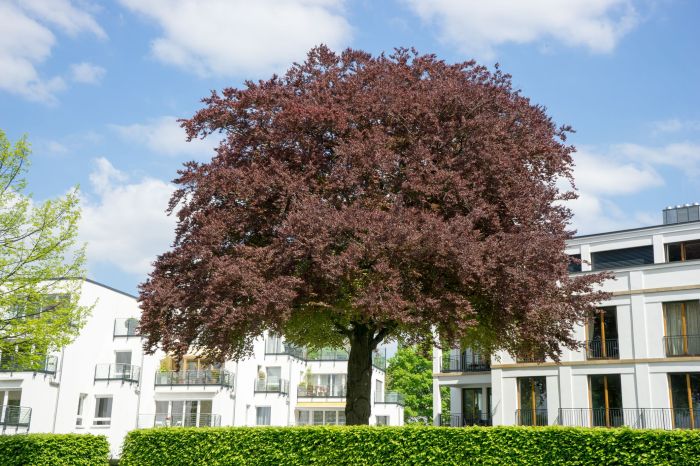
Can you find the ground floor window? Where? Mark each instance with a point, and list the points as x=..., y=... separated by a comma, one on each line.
x=606, y=400
x=263, y=415
x=192, y=413
x=532, y=401
x=382, y=420
x=103, y=411
x=320, y=417
x=685, y=399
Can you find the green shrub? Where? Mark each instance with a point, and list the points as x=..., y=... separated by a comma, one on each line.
x=53, y=450
x=408, y=446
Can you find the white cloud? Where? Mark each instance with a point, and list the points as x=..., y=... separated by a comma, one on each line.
x=87, y=73
x=165, y=136
x=234, y=37
x=26, y=42
x=681, y=155
x=125, y=224
x=675, y=125
x=478, y=26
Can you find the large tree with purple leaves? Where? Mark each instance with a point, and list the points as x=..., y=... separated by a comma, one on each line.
x=358, y=199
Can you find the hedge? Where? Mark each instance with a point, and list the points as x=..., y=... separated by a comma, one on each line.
x=408, y=446
x=54, y=449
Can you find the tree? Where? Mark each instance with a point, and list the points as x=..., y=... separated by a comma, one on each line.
x=357, y=199
x=40, y=266
x=410, y=373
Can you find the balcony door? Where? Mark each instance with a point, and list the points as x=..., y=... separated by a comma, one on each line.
x=685, y=399
x=122, y=364
x=11, y=413
x=682, y=321
x=184, y=413
x=532, y=401
x=472, y=405
x=606, y=400
x=602, y=335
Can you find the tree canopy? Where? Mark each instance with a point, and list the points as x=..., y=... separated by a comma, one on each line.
x=41, y=266
x=360, y=198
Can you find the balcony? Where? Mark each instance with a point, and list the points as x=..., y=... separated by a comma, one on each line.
x=463, y=364
x=531, y=417
x=682, y=345
x=46, y=366
x=178, y=420
x=126, y=328
x=391, y=398
x=275, y=385
x=321, y=391
x=636, y=418
x=598, y=349
x=327, y=354
x=122, y=372
x=463, y=420
x=211, y=377
x=276, y=347
x=15, y=417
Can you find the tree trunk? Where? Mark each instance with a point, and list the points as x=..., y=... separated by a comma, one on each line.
x=358, y=405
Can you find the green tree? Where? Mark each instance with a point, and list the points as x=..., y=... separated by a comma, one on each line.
x=410, y=373
x=41, y=266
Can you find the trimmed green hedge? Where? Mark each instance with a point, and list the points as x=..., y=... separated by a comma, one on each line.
x=53, y=450
x=409, y=446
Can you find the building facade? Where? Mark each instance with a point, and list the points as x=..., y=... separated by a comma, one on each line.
x=103, y=383
x=639, y=362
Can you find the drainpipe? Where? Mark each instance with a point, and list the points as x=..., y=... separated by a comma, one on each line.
x=58, y=392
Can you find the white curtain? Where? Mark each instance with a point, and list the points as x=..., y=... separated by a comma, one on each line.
x=692, y=320
x=674, y=328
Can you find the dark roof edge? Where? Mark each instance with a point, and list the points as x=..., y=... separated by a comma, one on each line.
x=633, y=229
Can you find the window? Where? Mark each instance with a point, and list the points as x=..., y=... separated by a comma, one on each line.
x=606, y=400
x=319, y=417
x=682, y=321
x=263, y=415
x=574, y=265
x=81, y=406
x=382, y=420
x=532, y=401
x=685, y=400
x=601, y=330
x=684, y=251
x=122, y=366
x=378, y=391
x=472, y=405
x=326, y=385
x=103, y=411
x=620, y=258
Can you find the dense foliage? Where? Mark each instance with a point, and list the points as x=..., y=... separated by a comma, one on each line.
x=54, y=450
x=409, y=446
x=357, y=199
x=410, y=373
x=39, y=309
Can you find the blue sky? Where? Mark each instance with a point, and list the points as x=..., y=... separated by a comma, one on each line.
x=97, y=86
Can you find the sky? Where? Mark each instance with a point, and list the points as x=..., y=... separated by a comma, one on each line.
x=97, y=86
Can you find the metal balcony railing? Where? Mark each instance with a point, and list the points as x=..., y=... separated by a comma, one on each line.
x=179, y=420
x=123, y=372
x=464, y=364
x=327, y=354
x=273, y=385
x=463, y=420
x=46, y=366
x=637, y=418
x=275, y=346
x=219, y=377
x=531, y=417
x=15, y=417
x=321, y=391
x=126, y=327
x=682, y=345
x=598, y=349
x=391, y=398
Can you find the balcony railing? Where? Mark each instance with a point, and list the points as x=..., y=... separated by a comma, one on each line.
x=179, y=420
x=321, y=391
x=218, y=377
x=530, y=417
x=598, y=349
x=463, y=364
x=327, y=354
x=123, y=372
x=126, y=327
x=15, y=417
x=393, y=398
x=275, y=346
x=462, y=420
x=275, y=385
x=637, y=418
x=379, y=360
x=682, y=345
x=45, y=366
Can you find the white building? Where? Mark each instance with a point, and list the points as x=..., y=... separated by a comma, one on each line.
x=639, y=365
x=103, y=383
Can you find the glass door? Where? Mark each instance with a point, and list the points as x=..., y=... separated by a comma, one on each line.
x=472, y=405
x=685, y=399
x=606, y=400
x=602, y=335
x=532, y=397
x=682, y=320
